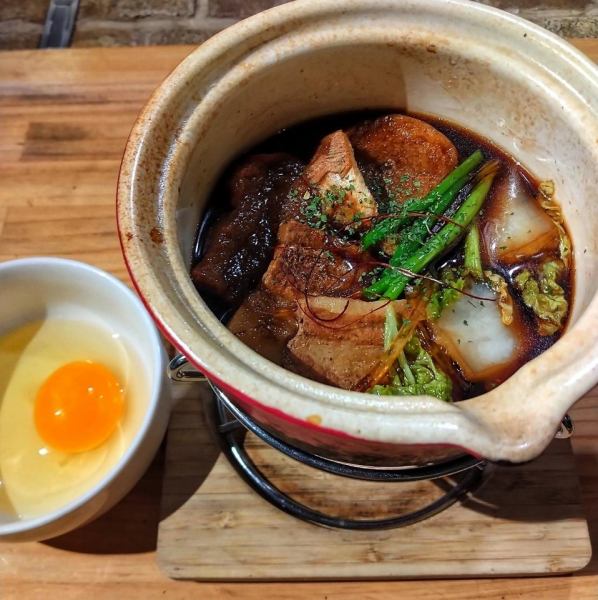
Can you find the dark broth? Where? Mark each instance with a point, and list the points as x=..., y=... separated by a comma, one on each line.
x=302, y=140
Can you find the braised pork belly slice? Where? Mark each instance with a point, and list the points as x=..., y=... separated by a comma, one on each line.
x=308, y=261
x=472, y=333
x=333, y=181
x=265, y=322
x=518, y=228
x=409, y=156
x=339, y=341
x=239, y=245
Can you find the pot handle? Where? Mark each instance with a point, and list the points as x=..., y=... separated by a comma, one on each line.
x=181, y=370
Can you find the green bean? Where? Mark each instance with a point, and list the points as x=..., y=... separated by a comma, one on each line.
x=473, y=256
x=413, y=237
x=445, y=238
x=393, y=224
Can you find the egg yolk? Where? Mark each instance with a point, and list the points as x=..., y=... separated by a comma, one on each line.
x=78, y=407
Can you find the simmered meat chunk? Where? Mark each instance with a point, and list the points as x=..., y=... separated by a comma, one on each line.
x=333, y=180
x=339, y=340
x=308, y=261
x=241, y=242
x=412, y=156
x=265, y=322
x=261, y=173
x=296, y=233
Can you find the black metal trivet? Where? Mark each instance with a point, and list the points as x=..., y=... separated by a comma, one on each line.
x=231, y=422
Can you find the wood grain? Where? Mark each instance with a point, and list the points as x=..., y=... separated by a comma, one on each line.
x=64, y=119
x=115, y=556
x=526, y=520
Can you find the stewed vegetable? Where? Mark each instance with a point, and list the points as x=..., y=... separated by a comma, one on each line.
x=396, y=255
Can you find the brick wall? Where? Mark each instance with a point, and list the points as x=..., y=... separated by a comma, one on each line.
x=138, y=22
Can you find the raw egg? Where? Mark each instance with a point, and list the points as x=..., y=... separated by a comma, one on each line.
x=78, y=407
x=69, y=407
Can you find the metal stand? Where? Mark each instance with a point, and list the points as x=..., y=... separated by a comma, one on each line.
x=232, y=422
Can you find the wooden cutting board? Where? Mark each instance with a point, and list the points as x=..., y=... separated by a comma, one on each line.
x=525, y=520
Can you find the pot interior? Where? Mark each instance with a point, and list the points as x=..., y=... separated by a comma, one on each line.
x=519, y=109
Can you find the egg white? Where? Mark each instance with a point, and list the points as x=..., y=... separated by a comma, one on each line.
x=35, y=478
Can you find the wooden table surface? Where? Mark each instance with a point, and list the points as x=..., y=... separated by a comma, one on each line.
x=64, y=120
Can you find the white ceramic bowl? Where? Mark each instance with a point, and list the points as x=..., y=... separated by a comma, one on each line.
x=525, y=89
x=32, y=288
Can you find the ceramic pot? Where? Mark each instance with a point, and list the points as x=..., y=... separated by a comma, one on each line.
x=525, y=89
